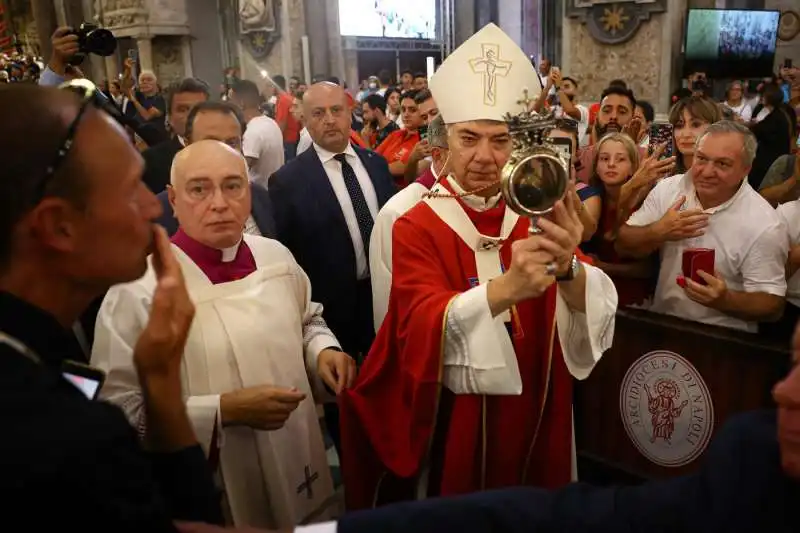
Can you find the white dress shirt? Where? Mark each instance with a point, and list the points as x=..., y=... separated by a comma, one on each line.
x=334, y=171
x=749, y=239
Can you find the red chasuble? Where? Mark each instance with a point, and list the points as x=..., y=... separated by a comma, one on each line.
x=398, y=418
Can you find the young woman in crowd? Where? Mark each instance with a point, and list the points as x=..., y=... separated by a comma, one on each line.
x=616, y=162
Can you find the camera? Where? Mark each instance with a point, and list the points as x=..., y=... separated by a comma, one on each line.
x=92, y=39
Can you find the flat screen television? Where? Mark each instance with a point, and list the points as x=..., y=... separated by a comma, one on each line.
x=731, y=43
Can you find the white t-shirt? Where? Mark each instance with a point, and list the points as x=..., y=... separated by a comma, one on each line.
x=749, y=239
x=263, y=140
x=744, y=110
x=583, y=123
x=790, y=214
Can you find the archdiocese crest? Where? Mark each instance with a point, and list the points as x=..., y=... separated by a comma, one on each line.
x=666, y=408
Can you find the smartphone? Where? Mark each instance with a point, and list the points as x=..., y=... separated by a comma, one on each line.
x=563, y=145
x=132, y=54
x=695, y=259
x=423, y=133
x=787, y=63
x=660, y=134
x=87, y=379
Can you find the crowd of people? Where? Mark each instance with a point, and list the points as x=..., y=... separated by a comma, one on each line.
x=240, y=267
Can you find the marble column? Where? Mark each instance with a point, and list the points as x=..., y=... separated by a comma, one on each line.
x=532, y=28
x=186, y=54
x=509, y=18
x=144, y=46
x=336, y=66
x=351, y=68
x=464, y=21
x=111, y=68
x=316, y=15
x=287, y=65
x=44, y=14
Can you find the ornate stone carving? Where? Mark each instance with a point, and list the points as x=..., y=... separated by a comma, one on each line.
x=259, y=25
x=117, y=13
x=168, y=59
x=637, y=61
x=613, y=21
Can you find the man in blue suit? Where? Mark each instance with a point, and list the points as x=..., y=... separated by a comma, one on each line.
x=325, y=202
x=220, y=121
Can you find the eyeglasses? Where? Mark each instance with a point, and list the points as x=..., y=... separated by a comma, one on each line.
x=202, y=190
x=90, y=95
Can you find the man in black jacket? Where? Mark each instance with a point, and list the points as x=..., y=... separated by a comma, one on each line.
x=181, y=98
x=76, y=219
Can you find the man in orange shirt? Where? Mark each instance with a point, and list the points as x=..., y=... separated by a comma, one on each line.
x=397, y=147
x=289, y=125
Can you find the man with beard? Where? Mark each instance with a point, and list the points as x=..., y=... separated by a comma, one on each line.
x=377, y=126
x=617, y=107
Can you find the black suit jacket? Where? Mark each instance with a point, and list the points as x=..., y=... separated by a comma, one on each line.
x=261, y=209
x=309, y=221
x=739, y=488
x=158, y=164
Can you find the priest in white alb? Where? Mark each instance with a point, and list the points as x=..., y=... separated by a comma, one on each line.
x=380, y=242
x=257, y=353
x=468, y=385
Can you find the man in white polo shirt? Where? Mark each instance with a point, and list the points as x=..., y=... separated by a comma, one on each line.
x=713, y=206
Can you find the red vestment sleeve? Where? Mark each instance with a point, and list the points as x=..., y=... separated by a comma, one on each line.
x=387, y=418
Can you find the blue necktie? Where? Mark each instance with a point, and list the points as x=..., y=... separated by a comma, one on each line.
x=363, y=216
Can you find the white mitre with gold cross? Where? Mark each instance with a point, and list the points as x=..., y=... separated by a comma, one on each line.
x=484, y=78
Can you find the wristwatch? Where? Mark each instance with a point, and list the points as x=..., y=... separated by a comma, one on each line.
x=572, y=270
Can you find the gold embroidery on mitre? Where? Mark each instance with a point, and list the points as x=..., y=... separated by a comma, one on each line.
x=491, y=66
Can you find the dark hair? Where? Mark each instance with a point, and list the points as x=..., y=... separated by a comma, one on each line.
x=618, y=83
x=568, y=78
x=333, y=79
x=420, y=75
x=33, y=131
x=409, y=94
x=279, y=80
x=247, y=90
x=187, y=85
x=422, y=95
x=385, y=77
x=225, y=108
x=679, y=94
x=773, y=95
x=376, y=101
x=295, y=78
x=647, y=110
x=406, y=71
x=620, y=91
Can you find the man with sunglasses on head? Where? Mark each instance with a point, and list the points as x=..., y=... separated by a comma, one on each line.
x=72, y=225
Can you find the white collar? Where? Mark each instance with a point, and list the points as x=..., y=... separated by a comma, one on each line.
x=327, y=155
x=694, y=202
x=475, y=202
x=229, y=254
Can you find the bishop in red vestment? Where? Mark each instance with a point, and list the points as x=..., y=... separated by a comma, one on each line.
x=468, y=385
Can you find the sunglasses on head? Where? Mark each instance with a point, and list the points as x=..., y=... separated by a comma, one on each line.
x=90, y=95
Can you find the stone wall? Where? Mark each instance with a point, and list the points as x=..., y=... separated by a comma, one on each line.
x=791, y=48
x=637, y=61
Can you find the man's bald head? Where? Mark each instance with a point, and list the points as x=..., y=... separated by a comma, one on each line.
x=210, y=193
x=191, y=160
x=327, y=114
